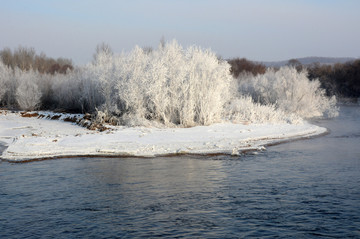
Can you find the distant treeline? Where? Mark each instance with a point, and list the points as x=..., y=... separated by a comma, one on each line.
x=242, y=65
x=341, y=79
x=26, y=58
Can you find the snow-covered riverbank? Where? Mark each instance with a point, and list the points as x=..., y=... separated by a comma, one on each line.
x=40, y=138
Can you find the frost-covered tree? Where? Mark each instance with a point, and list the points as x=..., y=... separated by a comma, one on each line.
x=290, y=91
x=102, y=49
x=28, y=94
x=102, y=70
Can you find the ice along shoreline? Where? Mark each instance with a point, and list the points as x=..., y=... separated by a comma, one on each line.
x=30, y=139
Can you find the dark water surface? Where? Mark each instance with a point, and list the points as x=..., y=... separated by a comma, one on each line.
x=302, y=189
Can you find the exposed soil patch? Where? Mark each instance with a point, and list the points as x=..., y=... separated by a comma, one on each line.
x=71, y=119
x=29, y=115
x=55, y=117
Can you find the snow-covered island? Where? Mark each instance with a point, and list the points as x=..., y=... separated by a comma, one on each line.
x=170, y=100
x=33, y=138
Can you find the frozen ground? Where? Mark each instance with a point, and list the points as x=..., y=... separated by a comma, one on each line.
x=34, y=138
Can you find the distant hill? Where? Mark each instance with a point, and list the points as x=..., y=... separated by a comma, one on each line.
x=310, y=60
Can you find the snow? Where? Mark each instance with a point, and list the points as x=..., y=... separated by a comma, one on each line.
x=41, y=138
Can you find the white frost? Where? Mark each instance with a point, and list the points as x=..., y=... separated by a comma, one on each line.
x=33, y=138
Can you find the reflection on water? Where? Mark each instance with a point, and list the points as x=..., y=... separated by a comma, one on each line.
x=306, y=188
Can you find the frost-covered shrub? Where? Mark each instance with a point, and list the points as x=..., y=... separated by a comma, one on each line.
x=28, y=94
x=289, y=91
x=171, y=85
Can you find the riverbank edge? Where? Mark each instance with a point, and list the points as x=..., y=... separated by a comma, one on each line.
x=26, y=148
x=242, y=152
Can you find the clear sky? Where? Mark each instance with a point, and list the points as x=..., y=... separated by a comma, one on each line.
x=263, y=30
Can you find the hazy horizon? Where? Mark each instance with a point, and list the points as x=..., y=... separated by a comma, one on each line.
x=257, y=30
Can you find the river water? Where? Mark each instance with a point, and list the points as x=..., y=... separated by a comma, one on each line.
x=302, y=189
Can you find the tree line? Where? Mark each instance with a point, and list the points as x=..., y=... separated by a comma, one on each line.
x=26, y=58
x=342, y=80
x=170, y=85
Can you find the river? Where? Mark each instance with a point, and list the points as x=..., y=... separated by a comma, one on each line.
x=302, y=189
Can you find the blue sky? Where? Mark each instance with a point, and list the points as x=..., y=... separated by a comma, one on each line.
x=256, y=29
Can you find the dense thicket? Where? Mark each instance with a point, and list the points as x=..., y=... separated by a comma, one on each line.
x=342, y=80
x=169, y=86
x=26, y=58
